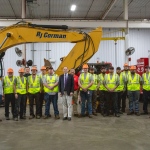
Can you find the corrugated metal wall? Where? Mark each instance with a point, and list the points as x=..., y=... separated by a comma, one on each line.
x=138, y=38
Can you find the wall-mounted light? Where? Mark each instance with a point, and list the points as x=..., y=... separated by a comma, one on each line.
x=73, y=7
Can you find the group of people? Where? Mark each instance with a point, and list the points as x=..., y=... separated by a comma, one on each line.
x=111, y=87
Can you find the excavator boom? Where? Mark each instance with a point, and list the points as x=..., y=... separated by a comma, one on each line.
x=86, y=44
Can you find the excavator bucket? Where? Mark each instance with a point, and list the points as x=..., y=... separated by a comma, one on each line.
x=82, y=51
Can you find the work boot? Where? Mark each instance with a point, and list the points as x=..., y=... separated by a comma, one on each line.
x=94, y=113
x=65, y=118
x=31, y=117
x=38, y=117
x=22, y=117
x=137, y=113
x=46, y=117
x=130, y=113
x=57, y=117
x=75, y=114
x=7, y=118
x=90, y=116
x=15, y=119
x=81, y=116
x=117, y=115
x=120, y=112
x=69, y=118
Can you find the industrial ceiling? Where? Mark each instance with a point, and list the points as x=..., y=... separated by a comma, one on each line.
x=85, y=10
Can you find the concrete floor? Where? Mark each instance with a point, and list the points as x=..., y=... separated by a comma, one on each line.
x=110, y=133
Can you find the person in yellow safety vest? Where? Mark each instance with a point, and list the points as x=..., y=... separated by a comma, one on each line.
x=20, y=91
x=120, y=88
x=43, y=73
x=102, y=91
x=93, y=89
x=85, y=82
x=1, y=93
x=125, y=73
x=111, y=82
x=134, y=81
x=26, y=74
x=8, y=84
x=146, y=89
x=34, y=89
x=50, y=82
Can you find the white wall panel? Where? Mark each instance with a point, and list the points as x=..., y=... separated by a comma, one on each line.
x=138, y=38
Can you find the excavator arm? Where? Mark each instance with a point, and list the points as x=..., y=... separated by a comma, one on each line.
x=86, y=44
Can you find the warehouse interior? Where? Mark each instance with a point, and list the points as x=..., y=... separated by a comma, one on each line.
x=125, y=24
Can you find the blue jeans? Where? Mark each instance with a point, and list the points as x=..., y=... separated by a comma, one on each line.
x=48, y=99
x=86, y=96
x=134, y=100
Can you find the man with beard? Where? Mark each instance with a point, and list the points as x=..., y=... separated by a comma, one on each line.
x=34, y=87
x=133, y=85
x=42, y=75
x=146, y=90
x=93, y=88
x=27, y=73
x=111, y=82
x=102, y=90
x=20, y=91
x=120, y=88
x=125, y=73
x=8, y=84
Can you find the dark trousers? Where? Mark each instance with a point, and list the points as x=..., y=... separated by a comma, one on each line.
x=146, y=95
x=9, y=98
x=94, y=99
x=102, y=101
x=119, y=99
x=25, y=105
x=111, y=102
x=35, y=97
x=124, y=97
x=41, y=102
x=19, y=105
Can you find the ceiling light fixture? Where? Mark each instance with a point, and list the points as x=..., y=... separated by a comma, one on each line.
x=73, y=7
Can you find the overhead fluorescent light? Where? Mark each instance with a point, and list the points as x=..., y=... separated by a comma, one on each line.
x=73, y=7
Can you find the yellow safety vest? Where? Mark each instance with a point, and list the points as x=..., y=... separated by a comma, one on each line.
x=85, y=82
x=51, y=82
x=133, y=84
x=111, y=83
x=8, y=85
x=121, y=85
x=146, y=84
x=126, y=75
x=101, y=80
x=21, y=87
x=94, y=85
x=34, y=86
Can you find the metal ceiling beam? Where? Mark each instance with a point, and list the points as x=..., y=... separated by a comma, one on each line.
x=111, y=4
x=90, y=24
x=12, y=8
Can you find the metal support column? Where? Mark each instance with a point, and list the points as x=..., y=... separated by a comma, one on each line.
x=125, y=2
x=23, y=16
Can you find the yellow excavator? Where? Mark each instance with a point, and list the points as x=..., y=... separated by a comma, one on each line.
x=24, y=32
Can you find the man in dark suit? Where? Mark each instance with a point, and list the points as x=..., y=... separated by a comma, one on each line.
x=66, y=90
